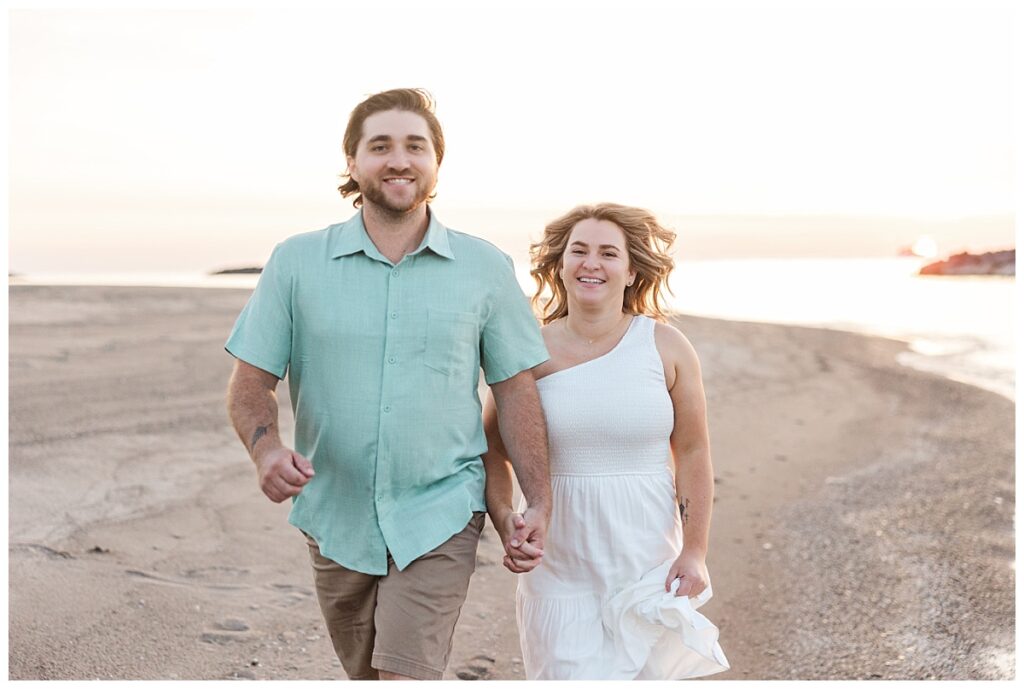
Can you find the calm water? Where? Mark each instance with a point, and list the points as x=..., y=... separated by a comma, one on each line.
x=960, y=327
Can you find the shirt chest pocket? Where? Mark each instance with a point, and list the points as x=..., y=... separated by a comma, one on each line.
x=452, y=342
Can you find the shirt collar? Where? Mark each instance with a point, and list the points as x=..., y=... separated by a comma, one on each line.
x=351, y=238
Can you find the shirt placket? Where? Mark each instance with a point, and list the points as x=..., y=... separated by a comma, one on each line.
x=389, y=384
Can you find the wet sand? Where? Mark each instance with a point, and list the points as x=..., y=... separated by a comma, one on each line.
x=863, y=521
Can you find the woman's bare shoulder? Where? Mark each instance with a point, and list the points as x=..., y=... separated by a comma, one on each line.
x=550, y=331
x=670, y=336
x=550, y=334
x=674, y=346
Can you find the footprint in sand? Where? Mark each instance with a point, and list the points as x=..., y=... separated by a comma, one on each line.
x=216, y=570
x=170, y=581
x=293, y=595
x=230, y=630
x=478, y=667
x=233, y=624
x=221, y=638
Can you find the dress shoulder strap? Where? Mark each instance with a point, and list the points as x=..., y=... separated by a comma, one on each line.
x=643, y=345
x=644, y=328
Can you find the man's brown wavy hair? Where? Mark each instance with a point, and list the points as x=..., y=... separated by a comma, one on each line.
x=647, y=243
x=417, y=101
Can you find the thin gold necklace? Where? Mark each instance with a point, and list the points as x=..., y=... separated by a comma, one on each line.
x=599, y=337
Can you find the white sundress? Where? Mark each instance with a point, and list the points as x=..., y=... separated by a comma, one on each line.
x=596, y=606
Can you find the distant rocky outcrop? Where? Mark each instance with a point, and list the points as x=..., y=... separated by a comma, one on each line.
x=989, y=263
x=249, y=270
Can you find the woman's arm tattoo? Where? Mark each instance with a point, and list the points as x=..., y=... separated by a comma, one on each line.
x=683, y=514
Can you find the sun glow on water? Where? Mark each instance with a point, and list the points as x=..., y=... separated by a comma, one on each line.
x=925, y=247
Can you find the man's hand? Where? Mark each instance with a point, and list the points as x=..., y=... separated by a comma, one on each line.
x=523, y=538
x=283, y=473
x=692, y=573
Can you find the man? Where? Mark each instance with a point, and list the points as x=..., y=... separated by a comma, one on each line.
x=382, y=323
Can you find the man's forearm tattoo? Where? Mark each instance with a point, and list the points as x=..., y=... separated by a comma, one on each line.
x=684, y=513
x=256, y=435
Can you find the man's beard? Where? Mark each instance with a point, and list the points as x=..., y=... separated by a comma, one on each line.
x=374, y=193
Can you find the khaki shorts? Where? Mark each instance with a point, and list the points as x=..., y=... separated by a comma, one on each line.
x=401, y=622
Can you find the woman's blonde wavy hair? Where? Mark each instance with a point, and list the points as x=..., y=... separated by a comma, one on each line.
x=647, y=243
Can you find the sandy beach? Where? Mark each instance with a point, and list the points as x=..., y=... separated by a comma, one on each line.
x=863, y=522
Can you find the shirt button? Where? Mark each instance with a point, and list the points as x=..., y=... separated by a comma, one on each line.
x=394, y=314
x=392, y=359
x=380, y=498
x=387, y=407
x=394, y=273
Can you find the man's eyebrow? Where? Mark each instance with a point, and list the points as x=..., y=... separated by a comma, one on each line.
x=387, y=137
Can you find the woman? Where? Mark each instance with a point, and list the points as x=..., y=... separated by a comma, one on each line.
x=615, y=591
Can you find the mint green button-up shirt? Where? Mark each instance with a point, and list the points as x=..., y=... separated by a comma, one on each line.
x=383, y=363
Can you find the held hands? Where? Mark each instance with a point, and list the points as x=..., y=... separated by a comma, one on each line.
x=283, y=473
x=523, y=538
x=692, y=573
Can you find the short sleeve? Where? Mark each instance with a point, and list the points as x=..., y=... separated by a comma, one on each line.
x=511, y=341
x=262, y=335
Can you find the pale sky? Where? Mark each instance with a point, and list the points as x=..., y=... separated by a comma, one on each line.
x=194, y=139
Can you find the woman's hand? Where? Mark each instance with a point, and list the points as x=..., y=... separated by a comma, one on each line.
x=692, y=573
x=523, y=541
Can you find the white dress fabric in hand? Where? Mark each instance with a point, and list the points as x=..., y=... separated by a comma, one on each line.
x=596, y=606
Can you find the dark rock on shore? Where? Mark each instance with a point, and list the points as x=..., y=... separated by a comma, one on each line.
x=989, y=263
x=249, y=270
